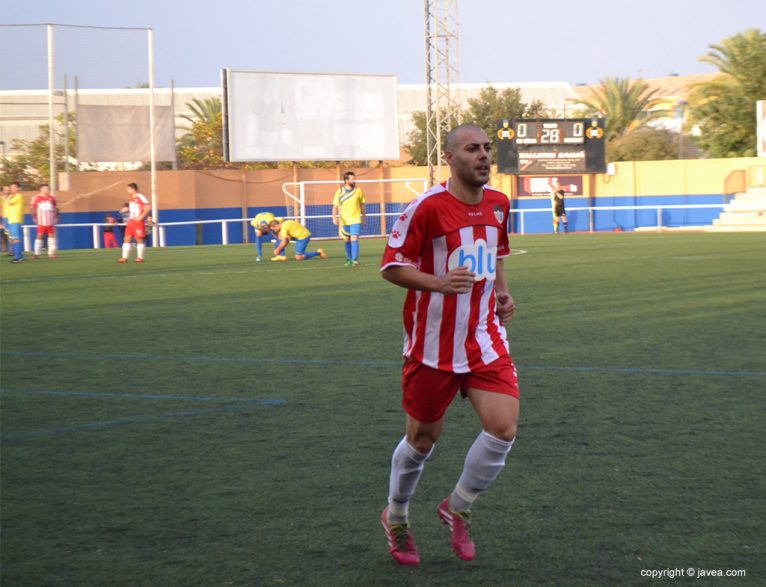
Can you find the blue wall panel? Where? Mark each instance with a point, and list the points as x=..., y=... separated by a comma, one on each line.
x=534, y=222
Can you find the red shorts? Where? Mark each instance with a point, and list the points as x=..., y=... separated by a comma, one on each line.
x=41, y=230
x=428, y=392
x=135, y=228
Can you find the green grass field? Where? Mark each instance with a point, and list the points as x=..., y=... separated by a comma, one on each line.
x=203, y=419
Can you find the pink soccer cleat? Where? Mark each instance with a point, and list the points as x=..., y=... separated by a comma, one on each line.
x=122, y=260
x=460, y=525
x=401, y=544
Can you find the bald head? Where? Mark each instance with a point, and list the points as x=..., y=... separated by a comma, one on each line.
x=453, y=138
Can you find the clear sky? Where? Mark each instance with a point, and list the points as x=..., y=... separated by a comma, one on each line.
x=578, y=41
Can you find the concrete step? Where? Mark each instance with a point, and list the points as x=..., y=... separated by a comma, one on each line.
x=737, y=228
x=745, y=206
x=746, y=212
x=741, y=217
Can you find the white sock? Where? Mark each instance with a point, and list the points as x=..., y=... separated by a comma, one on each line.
x=483, y=463
x=125, y=250
x=140, y=250
x=38, y=246
x=52, y=246
x=406, y=467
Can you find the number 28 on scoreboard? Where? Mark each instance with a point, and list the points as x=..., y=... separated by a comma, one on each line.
x=553, y=132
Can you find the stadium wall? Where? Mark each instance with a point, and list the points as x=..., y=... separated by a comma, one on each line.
x=209, y=195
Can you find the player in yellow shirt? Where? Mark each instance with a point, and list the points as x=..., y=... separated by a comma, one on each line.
x=13, y=209
x=349, y=215
x=263, y=232
x=292, y=229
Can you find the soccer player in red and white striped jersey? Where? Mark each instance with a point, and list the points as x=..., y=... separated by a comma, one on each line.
x=45, y=212
x=136, y=228
x=447, y=249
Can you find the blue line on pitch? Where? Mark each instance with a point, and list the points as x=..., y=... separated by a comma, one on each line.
x=121, y=422
x=199, y=359
x=646, y=371
x=185, y=398
x=379, y=363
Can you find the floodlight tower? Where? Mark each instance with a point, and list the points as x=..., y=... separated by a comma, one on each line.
x=442, y=76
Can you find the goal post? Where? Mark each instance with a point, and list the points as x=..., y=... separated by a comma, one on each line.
x=312, y=202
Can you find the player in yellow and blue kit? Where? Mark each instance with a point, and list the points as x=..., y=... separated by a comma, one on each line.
x=13, y=208
x=348, y=214
x=263, y=232
x=292, y=229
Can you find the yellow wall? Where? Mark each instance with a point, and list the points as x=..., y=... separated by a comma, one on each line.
x=686, y=177
x=662, y=178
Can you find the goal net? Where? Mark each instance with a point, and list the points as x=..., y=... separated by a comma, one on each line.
x=310, y=202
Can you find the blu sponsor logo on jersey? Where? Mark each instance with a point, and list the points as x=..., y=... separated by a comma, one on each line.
x=479, y=258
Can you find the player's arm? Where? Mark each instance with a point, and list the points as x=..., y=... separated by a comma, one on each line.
x=335, y=210
x=457, y=281
x=364, y=213
x=505, y=306
x=281, y=246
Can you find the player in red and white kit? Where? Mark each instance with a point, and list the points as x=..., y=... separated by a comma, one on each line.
x=45, y=212
x=136, y=228
x=447, y=249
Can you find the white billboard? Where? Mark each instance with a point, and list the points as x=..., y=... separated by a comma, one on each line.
x=121, y=133
x=273, y=116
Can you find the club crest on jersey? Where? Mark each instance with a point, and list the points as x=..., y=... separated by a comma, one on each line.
x=498, y=214
x=478, y=258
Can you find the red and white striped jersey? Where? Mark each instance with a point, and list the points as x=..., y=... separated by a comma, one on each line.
x=45, y=210
x=138, y=203
x=436, y=233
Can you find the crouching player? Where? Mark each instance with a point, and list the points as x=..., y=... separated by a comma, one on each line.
x=263, y=231
x=292, y=229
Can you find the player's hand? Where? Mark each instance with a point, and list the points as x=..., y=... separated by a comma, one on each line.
x=335, y=221
x=457, y=281
x=505, y=307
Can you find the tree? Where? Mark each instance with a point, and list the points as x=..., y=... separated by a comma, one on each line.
x=624, y=103
x=724, y=109
x=30, y=166
x=485, y=110
x=201, y=147
x=647, y=144
x=492, y=105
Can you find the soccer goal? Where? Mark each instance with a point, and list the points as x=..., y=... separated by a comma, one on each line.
x=311, y=202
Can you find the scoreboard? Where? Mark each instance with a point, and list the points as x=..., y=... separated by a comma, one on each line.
x=547, y=145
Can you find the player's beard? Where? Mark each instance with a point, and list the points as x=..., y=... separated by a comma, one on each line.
x=473, y=177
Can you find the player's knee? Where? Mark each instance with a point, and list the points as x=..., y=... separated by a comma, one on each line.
x=422, y=444
x=300, y=257
x=505, y=431
x=423, y=439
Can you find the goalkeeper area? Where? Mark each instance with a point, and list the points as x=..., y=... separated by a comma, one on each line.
x=310, y=202
x=158, y=430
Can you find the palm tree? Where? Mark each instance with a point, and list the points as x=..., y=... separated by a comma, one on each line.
x=743, y=57
x=623, y=102
x=201, y=147
x=723, y=108
x=207, y=112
